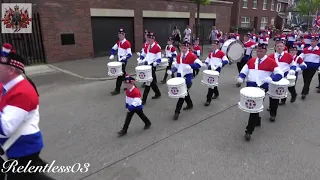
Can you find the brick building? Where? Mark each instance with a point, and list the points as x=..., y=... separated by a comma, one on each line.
x=88, y=28
x=258, y=13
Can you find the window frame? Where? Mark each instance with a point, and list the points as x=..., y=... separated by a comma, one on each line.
x=265, y=5
x=247, y=21
x=244, y=2
x=272, y=5
x=265, y=22
x=254, y=2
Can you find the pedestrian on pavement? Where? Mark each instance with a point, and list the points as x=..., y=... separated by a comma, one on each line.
x=260, y=71
x=124, y=53
x=310, y=56
x=133, y=105
x=176, y=36
x=19, y=117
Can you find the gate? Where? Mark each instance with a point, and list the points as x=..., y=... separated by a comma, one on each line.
x=29, y=46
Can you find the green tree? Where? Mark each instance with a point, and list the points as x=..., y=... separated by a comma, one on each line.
x=308, y=8
x=199, y=3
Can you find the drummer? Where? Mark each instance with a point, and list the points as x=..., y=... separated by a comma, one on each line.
x=215, y=61
x=151, y=56
x=171, y=54
x=261, y=70
x=197, y=51
x=286, y=64
x=248, y=48
x=186, y=62
x=124, y=53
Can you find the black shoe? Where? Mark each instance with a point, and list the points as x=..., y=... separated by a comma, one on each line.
x=293, y=98
x=303, y=96
x=156, y=97
x=207, y=103
x=238, y=84
x=122, y=132
x=163, y=81
x=268, y=109
x=115, y=93
x=281, y=103
x=272, y=119
x=215, y=96
x=147, y=126
x=176, y=116
x=247, y=137
x=187, y=107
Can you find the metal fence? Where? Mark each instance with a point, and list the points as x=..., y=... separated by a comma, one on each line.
x=29, y=46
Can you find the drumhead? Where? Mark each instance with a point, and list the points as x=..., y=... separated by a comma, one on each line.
x=252, y=92
x=144, y=67
x=211, y=72
x=175, y=81
x=282, y=82
x=114, y=64
x=235, y=51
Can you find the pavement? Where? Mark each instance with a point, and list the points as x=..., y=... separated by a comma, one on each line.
x=80, y=120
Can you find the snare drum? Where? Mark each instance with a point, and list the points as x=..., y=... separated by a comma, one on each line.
x=177, y=87
x=144, y=73
x=292, y=80
x=115, y=69
x=210, y=78
x=164, y=62
x=251, y=99
x=234, y=50
x=278, y=90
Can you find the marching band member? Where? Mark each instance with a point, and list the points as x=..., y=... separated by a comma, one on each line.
x=234, y=35
x=292, y=37
x=151, y=56
x=124, y=53
x=300, y=67
x=286, y=65
x=215, y=61
x=248, y=48
x=133, y=105
x=196, y=50
x=264, y=38
x=253, y=37
x=186, y=62
x=222, y=40
x=145, y=45
x=307, y=37
x=260, y=71
x=311, y=56
x=19, y=103
x=171, y=54
x=299, y=45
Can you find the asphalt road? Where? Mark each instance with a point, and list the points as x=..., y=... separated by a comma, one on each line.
x=80, y=120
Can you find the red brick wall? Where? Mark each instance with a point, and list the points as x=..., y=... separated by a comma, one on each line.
x=61, y=16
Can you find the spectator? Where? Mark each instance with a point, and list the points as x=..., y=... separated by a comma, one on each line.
x=176, y=35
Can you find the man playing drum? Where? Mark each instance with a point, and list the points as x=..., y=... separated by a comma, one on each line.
x=260, y=72
x=286, y=64
x=171, y=54
x=124, y=53
x=184, y=66
x=249, y=46
x=215, y=61
x=151, y=56
x=311, y=56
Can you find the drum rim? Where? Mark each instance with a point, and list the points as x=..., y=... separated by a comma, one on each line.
x=236, y=40
x=245, y=110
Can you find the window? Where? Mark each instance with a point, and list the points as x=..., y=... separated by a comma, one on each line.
x=244, y=3
x=278, y=7
x=272, y=5
x=255, y=4
x=272, y=21
x=245, y=22
x=264, y=22
x=265, y=2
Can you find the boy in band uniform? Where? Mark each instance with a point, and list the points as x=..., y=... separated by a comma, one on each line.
x=249, y=45
x=260, y=71
x=151, y=56
x=184, y=66
x=133, y=105
x=124, y=53
x=215, y=61
x=171, y=54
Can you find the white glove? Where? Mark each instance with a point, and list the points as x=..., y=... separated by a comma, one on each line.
x=162, y=55
x=111, y=57
x=169, y=72
x=154, y=64
x=138, y=54
x=204, y=65
x=219, y=65
x=214, y=67
x=123, y=58
x=240, y=80
x=188, y=67
x=174, y=59
x=292, y=72
x=298, y=69
x=266, y=80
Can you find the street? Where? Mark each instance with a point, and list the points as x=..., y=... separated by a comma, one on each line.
x=80, y=120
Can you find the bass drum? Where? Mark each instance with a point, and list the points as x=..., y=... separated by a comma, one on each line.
x=233, y=49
